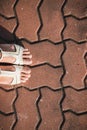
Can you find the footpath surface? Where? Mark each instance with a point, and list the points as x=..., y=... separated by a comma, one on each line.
x=55, y=97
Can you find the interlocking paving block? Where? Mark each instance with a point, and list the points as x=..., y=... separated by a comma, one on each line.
x=6, y=7
x=8, y=24
x=52, y=20
x=74, y=122
x=45, y=52
x=76, y=29
x=6, y=101
x=29, y=22
x=50, y=109
x=26, y=109
x=76, y=8
x=44, y=76
x=6, y=122
x=75, y=65
x=75, y=100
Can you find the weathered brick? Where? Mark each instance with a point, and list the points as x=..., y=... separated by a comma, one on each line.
x=8, y=24
x=44, y=76
x=26, y=109
x=50, y=109
x=45, y=52
x=6, y=101
x=52, y=20
x=6, y=7
x=77, y=8
x=74, y=122
x=6, y=122
x=75, y=100
x=28, y=19
x=75, y=65
x=75, y=29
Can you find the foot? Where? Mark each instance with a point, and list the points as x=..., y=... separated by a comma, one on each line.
x=10, y=59
x=24, y=75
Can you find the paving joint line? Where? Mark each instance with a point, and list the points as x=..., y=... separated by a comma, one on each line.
x=64, y=70
x=38, y=110
x=40, y=18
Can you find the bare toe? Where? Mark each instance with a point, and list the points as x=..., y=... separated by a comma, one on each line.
x=27, y=57
x=27, y=61
x=25, y=74
x=26, y=70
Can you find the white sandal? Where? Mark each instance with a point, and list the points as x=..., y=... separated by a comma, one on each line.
x=16, y=75
x=17, y=55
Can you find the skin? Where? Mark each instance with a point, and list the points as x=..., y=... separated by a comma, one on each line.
x=25, y=73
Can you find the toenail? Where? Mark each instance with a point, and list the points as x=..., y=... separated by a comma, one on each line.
x=29, y=76
x=30, y=62
x=26, y=49
x=30, y=56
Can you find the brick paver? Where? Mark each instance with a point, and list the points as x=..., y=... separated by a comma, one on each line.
x=50, y=110
x=45, y=52
x=45, y=76
x=6, y=101
x=76, y=8
x=75, y=29
x=52, y=20
x=54, y=97
x=8, y=24
x=29, y=22
x=6, y=7
x=26, y=110
x=75, y=122
x=6, y=122
x=73, y=100
x=75, y=65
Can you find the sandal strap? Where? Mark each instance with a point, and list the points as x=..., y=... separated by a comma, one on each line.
x=14, y=74
x=17, y=54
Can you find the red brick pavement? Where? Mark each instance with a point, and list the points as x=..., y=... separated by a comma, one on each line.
x=49, y=109
x=44, y=52
x=75, y=65
x=26, y=109
x=76, y=8
x=29, y=20
x=75, y=122
x=75, y=100
x=6, y=8
x=51, y=17
x=55, y=32
x=76, y=29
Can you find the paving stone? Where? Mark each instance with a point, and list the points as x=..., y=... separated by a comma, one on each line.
x=44, y=76
x=75, y=29
x=52, y=20
x=75, y=100
x=50, y=109
x=6, y=101
x=74, y=122
x=75, y=65
x=26, y=109
x=6, y=7
x=77, y=8
x=29, y=22
x=6, y=122
x=74, y=60
x=8, y=24
x=45, y=52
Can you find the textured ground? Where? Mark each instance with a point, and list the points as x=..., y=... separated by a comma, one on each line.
x=54, y=98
